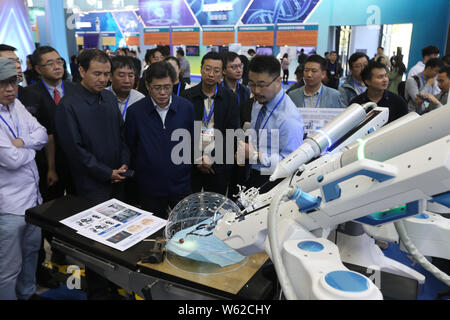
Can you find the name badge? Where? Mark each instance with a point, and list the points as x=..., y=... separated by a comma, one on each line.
x=207, y=132
x=332, y=73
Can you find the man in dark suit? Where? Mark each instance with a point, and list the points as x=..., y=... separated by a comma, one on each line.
x=51, y=87
x=216, y=110
x=149, y=127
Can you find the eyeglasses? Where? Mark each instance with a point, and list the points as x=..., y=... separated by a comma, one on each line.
x=253, y=85
x=215, y=71
x=236, y=66
x=52, y=64
x=159, y=88
x=9, y=82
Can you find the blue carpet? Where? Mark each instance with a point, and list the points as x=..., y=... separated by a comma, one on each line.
x=64, y=293
x=432, y=284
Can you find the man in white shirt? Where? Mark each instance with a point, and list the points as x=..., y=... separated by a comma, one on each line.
x=424, y=82
x=20, y=137
x=122, y=81
x=428, y=53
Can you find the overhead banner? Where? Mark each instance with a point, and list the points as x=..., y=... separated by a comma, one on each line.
x=297, y=35
x=279, y=11
x=218, y=36
x=132, y=38
x=218, y=12
x=127, y=21
x=157, y=36
x=186, y=36
x=79, y=38
x=108, y=39
x=165, y=13
x=104, y=22
x=256, y=35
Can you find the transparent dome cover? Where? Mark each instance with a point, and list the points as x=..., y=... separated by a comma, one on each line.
x=190, y=241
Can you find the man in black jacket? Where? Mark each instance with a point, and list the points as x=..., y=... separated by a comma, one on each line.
x=375, y=77
x=216, y=110
x=334, y=70
x=89, y=128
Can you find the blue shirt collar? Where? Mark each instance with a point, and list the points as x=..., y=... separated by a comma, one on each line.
x=271, y=104
x=52, y=88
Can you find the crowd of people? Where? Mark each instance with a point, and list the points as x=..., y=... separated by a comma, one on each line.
x=109, y=133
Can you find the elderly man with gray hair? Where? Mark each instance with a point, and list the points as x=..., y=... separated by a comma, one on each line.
x=21, y=136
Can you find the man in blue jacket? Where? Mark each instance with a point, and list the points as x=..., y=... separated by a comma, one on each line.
x=162, y=181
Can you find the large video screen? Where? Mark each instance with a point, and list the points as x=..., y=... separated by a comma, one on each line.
x=264, y=51
x=309, y=51
x=192, y=51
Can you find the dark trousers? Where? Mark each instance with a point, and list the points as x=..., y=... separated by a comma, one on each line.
x=64, y=185
x=160, y=206
x=285, y=75
x=217, y=182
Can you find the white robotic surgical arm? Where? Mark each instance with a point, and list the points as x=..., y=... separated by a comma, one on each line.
x=386, y=176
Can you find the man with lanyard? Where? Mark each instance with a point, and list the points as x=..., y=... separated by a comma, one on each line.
x=232, y=74
x=314, y=94
x=20, y=137
x=276, y=122
x=216, y=110
x=178, y=85
x=354, y=85
x=122, y=81
x=375, y=77
x=422, y=83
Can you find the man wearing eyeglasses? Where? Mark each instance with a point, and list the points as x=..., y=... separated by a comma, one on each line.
x=354, y=85
x=20, y=137
x=50, y=181
x=50, y=66
x=232, y=75
x=150, y=123
x=276, y=122
x=32, y=102
x=216, y=110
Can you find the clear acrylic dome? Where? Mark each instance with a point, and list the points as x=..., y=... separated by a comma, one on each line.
x=190, y=242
